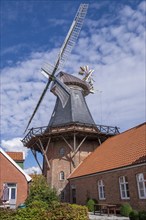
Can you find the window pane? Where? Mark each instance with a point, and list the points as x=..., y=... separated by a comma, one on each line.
x=126, y=179
x=11, y=184
x=62, y=151
x=123, y=194
x=128, y=195
x=121, y=179
x=13, y=193
x=127, y=187
x=140, y=185
x=61, y=175
x=140, y=177
x=142, y=193
x=100, y=182
x=122, y=187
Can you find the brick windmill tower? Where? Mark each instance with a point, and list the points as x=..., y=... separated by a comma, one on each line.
x=71, y=134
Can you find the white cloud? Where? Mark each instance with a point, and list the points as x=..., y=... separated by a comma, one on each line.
x=33, y=170
x=14, y=145
x=115, y=51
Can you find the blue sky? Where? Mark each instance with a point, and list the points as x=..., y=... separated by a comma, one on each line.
x=112, y=42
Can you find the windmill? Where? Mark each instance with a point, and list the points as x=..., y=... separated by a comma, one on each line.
x=71, y=133
x=69, y=42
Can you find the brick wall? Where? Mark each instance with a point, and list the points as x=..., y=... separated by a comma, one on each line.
x=86, y=187
x=65, y=163
x=10, y=174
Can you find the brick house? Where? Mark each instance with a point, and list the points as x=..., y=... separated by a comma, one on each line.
x=13, y=177
x=115, y=172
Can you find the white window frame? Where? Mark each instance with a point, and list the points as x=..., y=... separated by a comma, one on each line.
x=140, y=179
x=62, y=175
x=12, y=186
x=123, y=187
x=101, y=190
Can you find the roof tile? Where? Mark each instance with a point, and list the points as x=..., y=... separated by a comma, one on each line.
x=127, y=148
x=17, y=156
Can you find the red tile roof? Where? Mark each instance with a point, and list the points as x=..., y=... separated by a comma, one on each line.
x=16, y=156
x=127, y=148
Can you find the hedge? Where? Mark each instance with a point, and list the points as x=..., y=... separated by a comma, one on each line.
x=58, y=211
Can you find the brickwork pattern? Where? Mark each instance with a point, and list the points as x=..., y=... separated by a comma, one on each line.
x=86, y=187
x=65, y=163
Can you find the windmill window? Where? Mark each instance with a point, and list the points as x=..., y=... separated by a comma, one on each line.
x=61, y=175
x=62, y=151
x=141, y=184
x=124, y=187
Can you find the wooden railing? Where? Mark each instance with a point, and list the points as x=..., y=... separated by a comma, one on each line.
x=101, y=129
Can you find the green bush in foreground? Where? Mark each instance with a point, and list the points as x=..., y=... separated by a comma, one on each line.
x=142, y=215
x=36, y=211
x=125, y=209
x=69, y=212
x=41, y=191
x=7, y=214
x=133, y=215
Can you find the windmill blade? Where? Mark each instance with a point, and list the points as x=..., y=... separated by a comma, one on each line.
x=42, y=96
x=71, y=37
x=72, y=34
x=36, y=108
x=65, y=50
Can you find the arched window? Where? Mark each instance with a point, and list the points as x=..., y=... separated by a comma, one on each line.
x=101, y=190
x=141, y=184
x=124, y=187
x=61, y=176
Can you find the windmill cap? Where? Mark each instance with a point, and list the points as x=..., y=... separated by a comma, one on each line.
x=69, y=79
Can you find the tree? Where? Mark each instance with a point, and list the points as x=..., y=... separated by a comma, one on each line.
x=41, y=191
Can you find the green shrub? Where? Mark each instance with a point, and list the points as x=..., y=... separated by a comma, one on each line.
x=31, y=214
x=41, y=191
x=133, y=215
x=38, y=211
x=38, y=204
x=80, y=211
x=125, y=209
x=69, y=212
x=7, y=214
x=142, y=215
x=90, y=205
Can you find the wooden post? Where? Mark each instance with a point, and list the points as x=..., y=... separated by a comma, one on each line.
x=44, y=153
x=35, y=156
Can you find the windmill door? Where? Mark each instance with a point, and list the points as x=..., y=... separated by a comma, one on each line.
x=12, y=187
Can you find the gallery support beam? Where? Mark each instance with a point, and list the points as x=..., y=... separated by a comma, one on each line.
x=35, y=156
x=44, y=152
x=74, y=148
x=78, y=147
